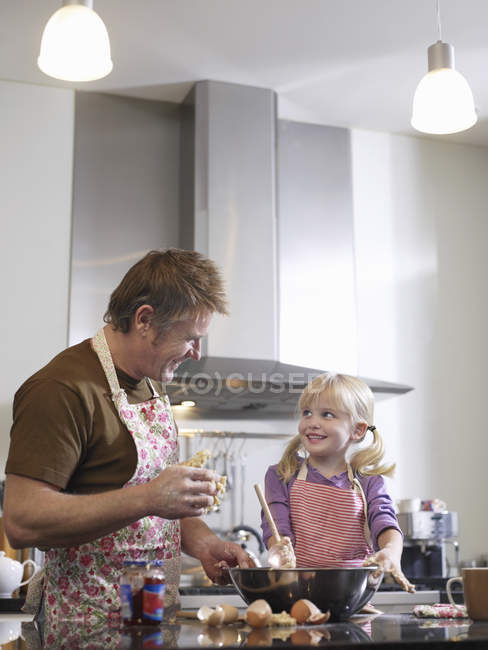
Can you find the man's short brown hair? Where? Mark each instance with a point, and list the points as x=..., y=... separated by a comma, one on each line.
x=176, y=283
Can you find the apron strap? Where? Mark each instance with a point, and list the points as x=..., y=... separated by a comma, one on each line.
x=303, y=473
x=356, y=485
x=152, y=389
x=100, y=345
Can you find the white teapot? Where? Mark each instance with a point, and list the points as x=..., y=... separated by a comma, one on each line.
x=11, y=573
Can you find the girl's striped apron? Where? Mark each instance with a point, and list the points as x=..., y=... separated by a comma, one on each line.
x=330, y=524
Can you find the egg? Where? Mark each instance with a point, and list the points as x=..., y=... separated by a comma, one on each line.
x=304, y=611
x=258, y=614
x=216, y=617
x=319, y=617
x=211, y=616
x=231, y=613
x=203, y=613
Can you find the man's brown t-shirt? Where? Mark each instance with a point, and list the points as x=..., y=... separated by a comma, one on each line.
x=66, y=430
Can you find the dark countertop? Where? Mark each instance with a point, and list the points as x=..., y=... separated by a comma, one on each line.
x=384, y=632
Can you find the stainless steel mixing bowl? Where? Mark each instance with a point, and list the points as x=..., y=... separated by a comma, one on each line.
x=342, y=591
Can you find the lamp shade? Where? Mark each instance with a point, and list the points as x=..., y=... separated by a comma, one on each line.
x=443, y=102
x=75, y=45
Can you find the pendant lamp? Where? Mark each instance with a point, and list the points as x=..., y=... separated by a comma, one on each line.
x=75, y=44
x=443, y=102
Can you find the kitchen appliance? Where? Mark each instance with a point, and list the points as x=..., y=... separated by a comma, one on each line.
x=241, y=370
x=251, y=386
x=427, y=537
x=342, y=591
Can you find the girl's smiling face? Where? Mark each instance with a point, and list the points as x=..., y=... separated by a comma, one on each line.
x=325, y=430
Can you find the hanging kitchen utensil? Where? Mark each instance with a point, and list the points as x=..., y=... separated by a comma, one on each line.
x=242, y=457
x=226, y=469
x=233, y=496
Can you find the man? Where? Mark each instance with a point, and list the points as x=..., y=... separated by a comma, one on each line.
x=92, y=470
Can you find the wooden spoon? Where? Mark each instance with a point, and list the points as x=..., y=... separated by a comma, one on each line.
x=267, y=512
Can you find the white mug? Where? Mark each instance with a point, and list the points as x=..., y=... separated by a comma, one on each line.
x=409, y=505
x=9, y=630
x=11, y=573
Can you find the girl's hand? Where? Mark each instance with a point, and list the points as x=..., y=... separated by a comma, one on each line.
x=386, y=560
x=281, y=555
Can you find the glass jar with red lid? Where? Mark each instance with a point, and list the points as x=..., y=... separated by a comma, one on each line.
x=131, y=586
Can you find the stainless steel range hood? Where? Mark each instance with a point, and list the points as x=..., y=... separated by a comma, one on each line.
x=251, y=386
x=229, y=193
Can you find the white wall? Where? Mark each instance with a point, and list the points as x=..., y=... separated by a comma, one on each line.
x=421, y=232
x=36, y=136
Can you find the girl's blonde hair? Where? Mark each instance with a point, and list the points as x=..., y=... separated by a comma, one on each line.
x=354, y=397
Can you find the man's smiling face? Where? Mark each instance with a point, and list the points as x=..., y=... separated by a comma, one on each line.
x=166, y=351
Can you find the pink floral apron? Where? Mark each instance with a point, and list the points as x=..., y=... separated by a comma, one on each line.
x=82, y=582
x=330, y=524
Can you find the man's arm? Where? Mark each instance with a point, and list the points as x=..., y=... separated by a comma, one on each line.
x=38, y=514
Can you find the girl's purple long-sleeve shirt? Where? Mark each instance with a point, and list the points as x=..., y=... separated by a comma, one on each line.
x=381, y=512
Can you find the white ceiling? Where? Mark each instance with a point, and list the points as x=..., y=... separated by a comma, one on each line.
x=351, y=63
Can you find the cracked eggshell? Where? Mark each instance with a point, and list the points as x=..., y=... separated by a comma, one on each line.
x=211, y=616
x=304, y=611
x=216, y=617
x=203, y=613
x=319, y=617
x=231, y=613
x=258, y=614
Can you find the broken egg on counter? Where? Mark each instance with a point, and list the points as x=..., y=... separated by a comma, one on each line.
x=258, y=614
x=212, y=617
x=222, y=614
x=231, y=613
x=304, y=611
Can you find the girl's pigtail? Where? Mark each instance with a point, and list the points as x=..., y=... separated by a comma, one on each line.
x=288, y=464
x=367, y=461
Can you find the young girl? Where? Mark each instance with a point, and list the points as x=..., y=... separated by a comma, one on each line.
x=332, y=506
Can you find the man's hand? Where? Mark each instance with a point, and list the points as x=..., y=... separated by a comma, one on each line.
x=218, y=556
x=181, y=491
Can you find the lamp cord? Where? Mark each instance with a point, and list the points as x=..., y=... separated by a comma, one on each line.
x=439, y=19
